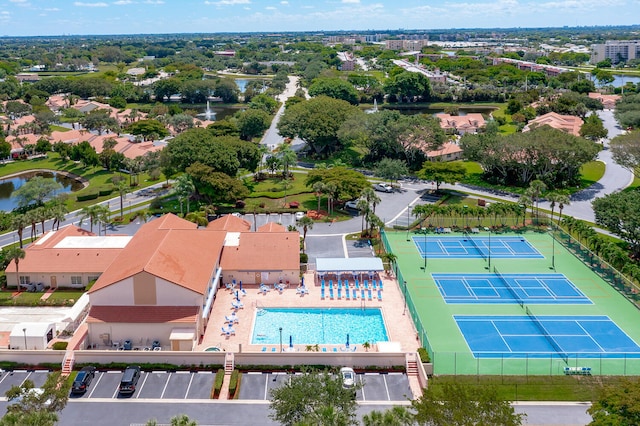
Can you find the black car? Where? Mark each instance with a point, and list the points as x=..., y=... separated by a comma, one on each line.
x=83, y=380
x=129, y=379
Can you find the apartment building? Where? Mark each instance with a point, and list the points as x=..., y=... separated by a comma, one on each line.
x=616, y=50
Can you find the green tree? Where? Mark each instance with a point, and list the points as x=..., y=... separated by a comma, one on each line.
x=122, y=188
x=36, y=190
x=625, y=149
x=408, y=86
x=619, y=213
x=184, y=188
x=347, y=183
x=391, y=169
x=100, y=120
x=35, y=408
x=312, y=396
x=617, y=404
x=95, y=213
x=148, y=129
x=264, y=103
x=535, y=191
x=252, y=123
x=5, y=149
x=307, y=223
x=317, y=121
x=14, y=254
x=396, y=416
x=288, y=158
x=336, y=88
x=452, y=404
x=216, y=186
x=593, y=129
x=442, y=172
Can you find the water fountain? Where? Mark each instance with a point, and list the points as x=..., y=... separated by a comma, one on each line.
x=375, y=107
x=208, y=114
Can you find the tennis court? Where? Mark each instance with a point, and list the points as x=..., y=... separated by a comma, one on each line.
x=544, y=336
x=509, y=288
x=500, y=247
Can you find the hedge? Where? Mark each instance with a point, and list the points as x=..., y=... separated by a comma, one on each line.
x=88, y=196
x=424, y=355
x=60, y=346
x=233, y=383
x=217, y=384
x=105, y=191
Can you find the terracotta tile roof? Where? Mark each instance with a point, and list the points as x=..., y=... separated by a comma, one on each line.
x=447, y=148
x=230, y=223
x=169, y=248
x=272, y=227
x=143, y=314
x=263, y=251
x=43, y=257
x=567, y=123
x=470, y=122
x=609, y=101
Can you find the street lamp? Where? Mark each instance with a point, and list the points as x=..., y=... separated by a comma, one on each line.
x=24, y=331
x=280, y=339
x=553, y=249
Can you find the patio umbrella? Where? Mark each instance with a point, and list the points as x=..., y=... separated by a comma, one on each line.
x=302, y=280
x=240, y=285
x=237, y=296
x=347, y=345
x=290, y=341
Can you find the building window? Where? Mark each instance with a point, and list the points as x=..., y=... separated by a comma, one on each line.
x=76, y=280
x=25, y=280
x=93, y=278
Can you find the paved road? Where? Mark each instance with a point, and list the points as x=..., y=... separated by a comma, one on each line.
x=272, y=138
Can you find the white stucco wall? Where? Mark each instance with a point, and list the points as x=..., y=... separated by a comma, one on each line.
x=167, y=294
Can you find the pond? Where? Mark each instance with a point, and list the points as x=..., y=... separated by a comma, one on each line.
x=10, y=184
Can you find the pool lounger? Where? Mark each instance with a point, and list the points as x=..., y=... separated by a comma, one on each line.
x=355, y=294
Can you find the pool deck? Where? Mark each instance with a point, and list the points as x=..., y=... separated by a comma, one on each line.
x=400, y=328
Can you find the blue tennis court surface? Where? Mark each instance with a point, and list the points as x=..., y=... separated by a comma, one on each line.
x=519, y=288
x=520, y=337
x=475, y=247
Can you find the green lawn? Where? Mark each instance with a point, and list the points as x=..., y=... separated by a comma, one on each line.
x=58, y=298
x=273, y=187
x=55, y=128
x=592, y=172
x=535, y=388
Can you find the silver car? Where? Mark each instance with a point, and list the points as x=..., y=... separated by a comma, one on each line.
x=348, y=377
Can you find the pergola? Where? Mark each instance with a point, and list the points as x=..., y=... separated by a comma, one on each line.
x=353, y=266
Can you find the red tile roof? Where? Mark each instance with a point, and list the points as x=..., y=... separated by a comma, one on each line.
x=169, y=248
x=272, y=227
x=229, y=223
x=262, y=252
x=143, y=314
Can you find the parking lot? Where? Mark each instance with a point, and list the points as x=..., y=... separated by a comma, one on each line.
x=198, y=385
x=375, y=386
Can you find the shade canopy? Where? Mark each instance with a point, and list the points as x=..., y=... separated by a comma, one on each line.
x=352, y=264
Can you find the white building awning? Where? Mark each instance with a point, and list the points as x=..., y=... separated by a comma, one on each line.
x=182, y=334
x=341, y=264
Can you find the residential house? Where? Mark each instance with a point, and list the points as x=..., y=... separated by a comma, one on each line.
x=461, y=124
x=450, y=151
x=566, y=123
x=609, y=101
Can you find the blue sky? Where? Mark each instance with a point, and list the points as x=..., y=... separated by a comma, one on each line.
x=57, y=17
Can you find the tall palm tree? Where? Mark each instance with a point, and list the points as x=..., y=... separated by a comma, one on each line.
x=184, y=189
x=122, y=188
x=363, y=208
x=307, y=223
x=372, y=198
x=525, y=201
x=562, y=200
x=536, y=188
x=288, y=157
x=19, y=222
x=15, y=254
x=318, y=188
x=94, y=213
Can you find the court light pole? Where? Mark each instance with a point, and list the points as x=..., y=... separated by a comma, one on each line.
x=24, y=331
x=489, y=249
x=405, y=297
x=408, y=220
x=280, y=339
x=553, y=248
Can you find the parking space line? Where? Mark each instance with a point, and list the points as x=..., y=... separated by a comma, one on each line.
x=6, y=373
x=364, y=398
x=384, y=378
x=189, y=386
x=25, y=379
x=165, y=386
x=95, y=385
x=266, y=385
x=142, y=386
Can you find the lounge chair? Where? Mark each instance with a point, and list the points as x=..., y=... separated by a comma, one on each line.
x=302, y=290
x=324, y=349
x=331, y=292
x=365, y=284
x=379, y=295
x=357, y=285
x=375, y=285
x=355, y=294
x=362, y=294
x=369, y=294
x=264, y=349
x=237, y=305
x=339, y=292
x=346, y=293
x=322, y=293
x=273, y=349
x=231, y=318
x=381, y=288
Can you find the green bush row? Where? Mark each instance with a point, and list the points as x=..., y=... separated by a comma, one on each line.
x=60, y=346
x=87, y=197
x=217, y=384
x=424, y=355
x=233, y=383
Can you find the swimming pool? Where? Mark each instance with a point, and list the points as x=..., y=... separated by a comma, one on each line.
x=310, y=326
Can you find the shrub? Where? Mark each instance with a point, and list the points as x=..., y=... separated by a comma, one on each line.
x=233, y=383
x=88, y=196
x=424, y=355
x=304, y=258
x=60, y=346
x=217, y=384
x=240, y=204
x=105, y=191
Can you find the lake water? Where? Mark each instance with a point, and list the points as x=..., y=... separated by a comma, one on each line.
x=9, y=185
x=621, y=80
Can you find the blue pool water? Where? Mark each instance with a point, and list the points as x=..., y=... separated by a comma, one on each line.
x=310, y=326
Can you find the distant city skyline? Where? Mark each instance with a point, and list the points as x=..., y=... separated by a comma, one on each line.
x=94, y=17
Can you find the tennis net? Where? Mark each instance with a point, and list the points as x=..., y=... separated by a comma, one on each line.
x=549, y=338
x=509, y=287
x=476, y=246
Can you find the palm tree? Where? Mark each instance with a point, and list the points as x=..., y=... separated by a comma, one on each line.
x=58, y=213
x=318, y=188
x=19, y=222
x=122, y=188
x=536, y=188
x=94, y=213
x=42, y=214
x=372, y=198
x=562, y=200
x=307, y=223
x=15, y=254
x=288, y=157
x=184, y=189
x=525, y=201
x=363, y=207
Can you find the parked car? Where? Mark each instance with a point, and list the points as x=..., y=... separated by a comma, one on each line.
x=129, y=380
x=352, y=205
x=300, y=215
x=383, y=187
x=348, y=377
x=83, y=380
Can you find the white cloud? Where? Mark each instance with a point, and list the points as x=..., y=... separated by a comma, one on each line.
x=350, y=1
x=83, y=4
x=284, y=2
x=18, y=1
x=122, y=2
x=52, y=9
x=154, y=2
x=270, y=8
x=228, y=2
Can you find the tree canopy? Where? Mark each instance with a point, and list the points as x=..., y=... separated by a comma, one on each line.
x=617, y=404
x=619, y=213
x=544, y=153
x=626, y=151
x=317, y=121
x=36, y=190
x=442, y=172
x=336, y=88
x=348, y=183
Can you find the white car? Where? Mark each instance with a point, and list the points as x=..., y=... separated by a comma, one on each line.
x=300, y=215
x=348, y=377
x=352, y=205
x=383, y=187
